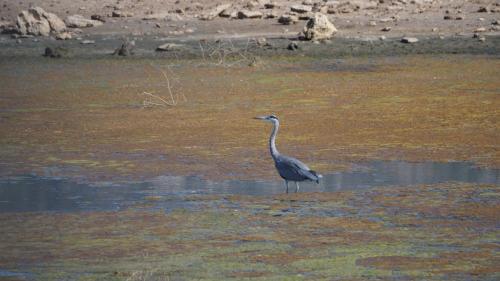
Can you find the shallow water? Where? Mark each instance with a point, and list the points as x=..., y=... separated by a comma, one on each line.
x=52, y=194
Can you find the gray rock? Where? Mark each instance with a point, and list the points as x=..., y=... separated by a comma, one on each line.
x=270, y=5
x=409, y=40
x=319, y=28
x=288, y=19
x=169, y=47
x=126, y=49
x=57, y=52
x=301, y=9
x=156, y=16
x=87, y=42
x=210, y=15
x=36, y=21
x=121, y=14
x=79, y=21
x=56, y=24
x=98, y=17
x=246, y=14
x=63, y=36
x=293, y=46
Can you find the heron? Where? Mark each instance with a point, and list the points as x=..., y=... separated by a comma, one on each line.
x=289, y=168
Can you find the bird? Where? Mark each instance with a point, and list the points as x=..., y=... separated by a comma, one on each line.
x=289, y=168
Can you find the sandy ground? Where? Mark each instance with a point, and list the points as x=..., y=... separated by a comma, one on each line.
x=353, y=20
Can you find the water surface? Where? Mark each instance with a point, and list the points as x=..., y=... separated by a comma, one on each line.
x=52, y=194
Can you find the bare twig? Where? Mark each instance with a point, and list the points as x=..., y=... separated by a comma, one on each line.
x=155, y=100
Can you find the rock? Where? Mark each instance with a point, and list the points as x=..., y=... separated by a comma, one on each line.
x=57, y=52
x=301, y=9
x=79, y=21
x=157, y=16
x=261, y=41
x=227, y=13
x=482, y=9
x=176, y=32
x=121, y=14
x=270, y=5
x=409, y=40
x=246, y=14
x=38, y=22
x=288, y=19
x=271, y=15
x=319, y=28
x=306, y=16
x=7, y=27
x=482, y=39
x=386, y=28
x=293, y=46
x=480, y=29
x=307, y=2
x=169, y=47
x=214, y=12
x=87, y=42
x=56, y=24
x=386, y=19
x=372, y=23
x=126, y=49
x=63, y=36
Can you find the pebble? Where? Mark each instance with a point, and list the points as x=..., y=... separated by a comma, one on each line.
x=409, y=40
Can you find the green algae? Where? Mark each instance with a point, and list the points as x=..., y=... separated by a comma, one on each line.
x=379, y=234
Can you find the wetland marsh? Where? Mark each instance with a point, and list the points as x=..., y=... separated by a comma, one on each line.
x=107, y=188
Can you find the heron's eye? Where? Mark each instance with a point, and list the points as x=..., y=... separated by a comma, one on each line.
x=272, y=117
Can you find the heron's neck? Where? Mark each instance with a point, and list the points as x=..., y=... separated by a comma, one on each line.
x=272, y=140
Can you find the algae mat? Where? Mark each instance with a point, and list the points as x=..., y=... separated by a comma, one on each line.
x=87, y=118
x=426, y=232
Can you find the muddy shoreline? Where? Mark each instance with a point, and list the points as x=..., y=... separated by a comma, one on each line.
x=195, y=48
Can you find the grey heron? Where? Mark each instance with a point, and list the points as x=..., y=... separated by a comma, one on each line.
x=289, y=168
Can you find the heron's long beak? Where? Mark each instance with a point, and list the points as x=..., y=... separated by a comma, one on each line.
x=260, y=118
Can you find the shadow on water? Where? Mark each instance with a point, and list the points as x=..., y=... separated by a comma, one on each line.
x=48, y=194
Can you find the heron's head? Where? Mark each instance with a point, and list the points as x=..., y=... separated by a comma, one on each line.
x=270, y=118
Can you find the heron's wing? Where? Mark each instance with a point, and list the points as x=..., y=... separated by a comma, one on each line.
x=299, y=167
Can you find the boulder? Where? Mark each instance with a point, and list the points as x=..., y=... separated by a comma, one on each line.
x=288, y=19
x=246, y=14
x=210, y=15
x=319, y=28
x=63, y=36
x=56, y=23
x=301, y=9
x=36, y=21
x=79, y=21
x=57, y=52
x=98, y=18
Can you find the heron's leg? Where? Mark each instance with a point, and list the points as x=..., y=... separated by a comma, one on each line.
x=297, y=185
x=286, y=186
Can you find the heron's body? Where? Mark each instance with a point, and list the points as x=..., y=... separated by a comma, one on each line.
x=289, y=168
